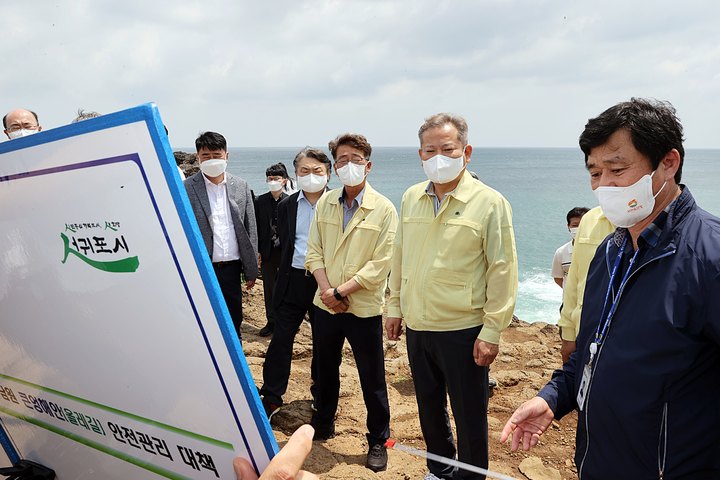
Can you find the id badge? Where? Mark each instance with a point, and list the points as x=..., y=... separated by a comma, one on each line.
x=584, y=385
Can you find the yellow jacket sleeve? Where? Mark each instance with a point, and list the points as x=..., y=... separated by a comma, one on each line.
x=393, y=305
x=502, y=272
x=570, y=298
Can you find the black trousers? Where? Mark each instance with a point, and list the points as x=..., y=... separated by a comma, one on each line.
x=365, y=336
x=290, y=314
x=442, y=364
x=228, y=275
x=269, y=270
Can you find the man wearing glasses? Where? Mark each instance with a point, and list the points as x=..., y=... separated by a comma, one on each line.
x=20, y=123
x=349, y=252
x=454, y=284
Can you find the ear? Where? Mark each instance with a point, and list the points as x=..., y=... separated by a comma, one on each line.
x=39, y=128
x=368, y=167
x=468, y=153
x=670, y=164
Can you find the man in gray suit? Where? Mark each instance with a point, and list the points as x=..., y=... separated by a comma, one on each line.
x=223, y=207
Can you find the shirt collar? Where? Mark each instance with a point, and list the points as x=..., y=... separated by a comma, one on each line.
x=463, y=191
x=650, y=236
x=430, y=191
x=358, y=198
x=208, y=182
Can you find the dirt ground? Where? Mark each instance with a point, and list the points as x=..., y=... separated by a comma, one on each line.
x=528, y=355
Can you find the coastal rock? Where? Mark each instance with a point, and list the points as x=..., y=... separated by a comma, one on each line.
x=509, y=378
x=528, y=353
x=533, y=469
x=187, y=162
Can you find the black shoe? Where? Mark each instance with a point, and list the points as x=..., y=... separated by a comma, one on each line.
x=267, y=330
x=377, y=458
x=324, y=433
x=270, y=408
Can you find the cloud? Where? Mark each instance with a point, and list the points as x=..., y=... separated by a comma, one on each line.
x=525, y=73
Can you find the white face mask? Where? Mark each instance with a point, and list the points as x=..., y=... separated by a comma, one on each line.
x=351, y=174
x=21, y=133
x=573, y=232
x=442, y=169
x=213, y=167
x=626, y=206
x=274, y=185
x=312, y=183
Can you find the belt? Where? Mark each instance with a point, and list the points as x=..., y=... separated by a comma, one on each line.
x=300, y=271
x=226, y=263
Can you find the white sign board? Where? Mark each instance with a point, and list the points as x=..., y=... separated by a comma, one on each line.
x=118, y=358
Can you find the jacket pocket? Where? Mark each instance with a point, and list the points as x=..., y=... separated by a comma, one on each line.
x=365, y=238
x=447, y=294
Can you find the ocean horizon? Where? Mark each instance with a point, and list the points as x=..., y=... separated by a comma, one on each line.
x=541, y=184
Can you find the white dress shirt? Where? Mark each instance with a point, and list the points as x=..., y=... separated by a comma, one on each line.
x=225, y=246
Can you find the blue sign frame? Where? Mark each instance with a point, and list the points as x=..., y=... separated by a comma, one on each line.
x=149, y=114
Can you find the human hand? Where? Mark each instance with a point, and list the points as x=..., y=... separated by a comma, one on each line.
x=484, y=353
x=286, y=464
x=249, y=284
x=393, y=328
x=259, y=260
x=566, y=349
x=328, y=298
x=527, y=423
x=342, y=306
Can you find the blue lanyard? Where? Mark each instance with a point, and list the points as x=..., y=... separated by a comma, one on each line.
x=600, y=333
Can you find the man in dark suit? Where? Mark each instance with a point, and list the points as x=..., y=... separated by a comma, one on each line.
x=223, y=207
x=295, y=287
x=266, y=215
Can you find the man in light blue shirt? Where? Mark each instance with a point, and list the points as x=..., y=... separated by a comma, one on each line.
x=295, y=288
x=305, y=213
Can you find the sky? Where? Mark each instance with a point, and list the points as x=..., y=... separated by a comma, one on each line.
x=286, y=73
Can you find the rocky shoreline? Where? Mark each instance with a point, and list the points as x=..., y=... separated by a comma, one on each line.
x=187, y=162
x=528, y=355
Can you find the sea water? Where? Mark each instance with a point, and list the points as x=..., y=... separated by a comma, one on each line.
x=541, y=184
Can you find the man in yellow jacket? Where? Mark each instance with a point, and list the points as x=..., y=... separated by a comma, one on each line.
x=454, y=283
x=593, y=229
x=349, y=250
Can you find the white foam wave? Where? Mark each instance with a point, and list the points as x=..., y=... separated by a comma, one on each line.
x=539, y=298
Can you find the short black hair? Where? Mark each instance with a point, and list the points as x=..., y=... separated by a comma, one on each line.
x=576, y=212
x=277, y=170
x=353, y=140
x=315, y=153
x=210, y=141
x=5, y=118
x=653, y=126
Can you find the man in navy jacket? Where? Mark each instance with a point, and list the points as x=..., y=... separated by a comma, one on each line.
x=646, y=374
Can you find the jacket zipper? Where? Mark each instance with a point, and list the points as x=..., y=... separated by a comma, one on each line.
x=662, y=443
x=597, y=359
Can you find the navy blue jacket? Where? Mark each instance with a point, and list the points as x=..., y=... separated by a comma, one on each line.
x=654, y=399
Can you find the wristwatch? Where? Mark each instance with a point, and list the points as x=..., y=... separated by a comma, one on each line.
x=337, y=295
